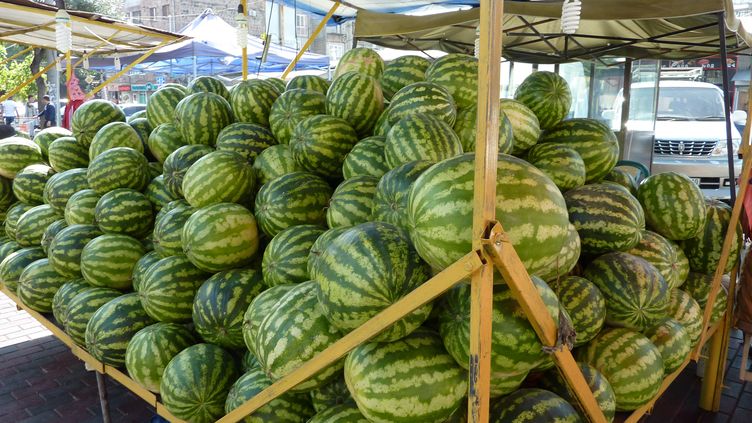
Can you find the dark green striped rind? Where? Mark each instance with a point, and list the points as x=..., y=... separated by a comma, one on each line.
x=361, y=60
x=294, y=331
x=291, y=108
x=142, y=265
x=124, y=211
x=11, y=218
x=685, y=310
x=466, y=124
x=115, y=134
x=201, y=116
x=458, y=73
x=158, y=194
x=219, y=177
x=112, y=326
x=163, y=140
x=547, y=95
x=287, y=408
x=673, y=342
x=330, y=395
x=584, y=303
x=674, y=205
x=6, y=195
x=430, y=388
x=533, y=405
x=366, y=159
x=308, y=82
x=593, y=139
x=624, y=178
x=15, y=154
x=108, y=260
x=150, y=350
x=352, y=202
x=220, y=304
x=252, y=100
x=208, y=84
x=321, y=244
x=562, y=164
x=142, y=128
x=531, y=207
x=62, y=185
x=320, y=143
x=356, y=98
x=120, y=167
x=296, y=198
x=168, y=231
x=8, y=247
x=392, y=191
x=257, y=311
x=420, y=137
x=28, y=185
x=277, y=83
x=422, y=97
x=249, y=361
x=635, y=292
x=82, y=307
x=599, y=386
x=631, y=364
x=177, y=164
x=196, y=382
x=14, y=264
x=246, y=139
x=525, y=125
x=401, y=72
x=38, y=284
x=365, y=270
x=50, y=233
x=382, y=124
x=664, y=255
x=343, y=413
x=698, y=286
x=67, y=153
x=47, y=136
x=64, y=296
x=285, y=259
x=79, y=210
x=65, y=249
x=704, y=250
x=32, y=224
x=274, y=162
x=161, y=105
x=168, y=287
x=91, y=117
x=607, y=217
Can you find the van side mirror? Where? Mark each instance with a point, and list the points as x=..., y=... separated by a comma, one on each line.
x=739, y=117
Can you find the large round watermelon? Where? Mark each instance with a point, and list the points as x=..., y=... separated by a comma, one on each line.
x=32, y=224
x=422, y=97
x=177, y=164
x=533, y=405
x=320, y=143
x=585, y=305
x=16, y=153
x=291, y=108
x=664, y=255
x=674, y=205
x=563, y=164
x=158, y=194
x=357, y=98
x=392, y=191
x=246, y=139
x=168, y=230
x=403, y=71
x=67, y=153
x=274, y=162
x=82, y=307
x=321, y=244
x=285, y=259
x=62, y=298
x=599, y=386
x=119, y=167
x=80, y=207
x=108, y=260
x=29, y=183
x=163, y=140
x=11, y=218
x=547, y=94
x=366, y=159
x=61, y=186
x=458, y=73
x=466, y=127
x=685, y=310
x=92, y=116
x=47, y=136
x=112, y=326
x=115, y=134
x=152, y=348
x=525, y=125
x=672, y=340
x=308, y=82
x=161, y=105
x=124, y=211
x=704, y=250
x=352, y=202
x=38, y=284
x=286, y=408
x=252, y=101
x=219, y=177
x=65, y=249
x=257, y=311
x=168, y=288
x=593, y=140
x=361, y=60
x=420, y=136
x=14, y=264
x=208, y=84
x=201, y=116
x=293, y=199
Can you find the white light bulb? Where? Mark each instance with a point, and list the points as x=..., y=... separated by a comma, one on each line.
x=86, y=61
x=241, y=25
x=477, y=42
x=63, y=36
x=117, y=61
x=570, y=16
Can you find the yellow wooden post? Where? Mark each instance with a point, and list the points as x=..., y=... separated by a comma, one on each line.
x=244, y=6
x=9, y=59
x=308, y=42
x=33, y=78
x=68, y=66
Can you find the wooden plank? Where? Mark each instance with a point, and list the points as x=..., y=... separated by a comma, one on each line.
x=131, y=385
x=640, y=412
x=91, y=362
x=164, y=412
x=310, y=40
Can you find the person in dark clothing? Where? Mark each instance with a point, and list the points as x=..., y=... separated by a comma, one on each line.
x=6, y=131
x=47, y=115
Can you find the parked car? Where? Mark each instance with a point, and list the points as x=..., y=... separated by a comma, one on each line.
x=132, y=108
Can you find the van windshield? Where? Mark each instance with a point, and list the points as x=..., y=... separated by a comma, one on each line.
x=679, y=103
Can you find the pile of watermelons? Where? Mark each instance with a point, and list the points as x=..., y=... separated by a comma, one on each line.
x=220, y=239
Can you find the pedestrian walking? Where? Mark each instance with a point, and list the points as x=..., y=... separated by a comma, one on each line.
x=9, y=110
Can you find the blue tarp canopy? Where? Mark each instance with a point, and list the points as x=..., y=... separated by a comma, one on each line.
x=348, y=9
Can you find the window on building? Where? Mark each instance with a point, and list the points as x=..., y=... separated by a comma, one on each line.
x=152, y=14
x=136, y=17
x=301, y=25
x=166, y=10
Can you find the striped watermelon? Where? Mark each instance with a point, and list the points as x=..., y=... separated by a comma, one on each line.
x=321, y=244
x=533, y=405
x=46, y=136
x=150, y=350
x=249, y=361
x=593, y=139
x=67, y=153
x=38, y=284
x=599, y=386
x=674, y=205
x=585, y=305
x=163, y=140
x=208, y=84
x=673, y=342
x=14, y=264
x=422, y=97
x=108, y=260
x=525, y=125
x=142, y=265
x=293, y=332
x=420, y=137
x=7, y=248
x=390, y=200
x=91, y=117
x=124, y=211
x=685, y=310
x=119, y=167
x=361, y=60
x=366, y=159
x=11, y=218
x=458, y=73
x=168, y=287
x=161, y=105
x=82, y=307
x=168, y=231
x=252, y=100
x=219, y=177
x=61, y=186
x=431, y=385
x=15, y=154
x=356, y=98
x=365, y=270
x=63, y=297
x=547, y=95
x=698, y=286
x=320, y=143
x=704, y=250
x=28, y=185
x=201, y=116
x=277, y=83
x=246, y=139
x=527, y=203
x=178, y=162
x=173, y=85
x=274, y=162
x=607, y=217
x=352, y=202
x=347, y=412
x=32, y=224
x=403, y=71
x=666, y=257
x=294, y=199
x=381, y=128
x=115, y=134
x=80, y=207
x=285, y=259
x=331, y=395
x=308, y=82
x=6, y=196
x=50, y=233
x=291, y=108
x=260, y=307
x=635, y=292
x=65, y=249
x=561, y=163
x=220, y=237
x=198, y=396
x=157, y=193
x=624, y=178
x=112, y=326
x=220, y=304
x=142, y=128
x=631, y=364
x=287, y=408
x=466, y=128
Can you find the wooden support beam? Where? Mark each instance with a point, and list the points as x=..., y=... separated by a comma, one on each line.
x=15, y=56
x=308, y=42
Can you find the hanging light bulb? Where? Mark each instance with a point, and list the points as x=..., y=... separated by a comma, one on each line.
x=59, y=63
x=86, y=60
x=477, y=41
x=63, y=36
x=570, y=16
x=117, y=60
x=241, y=22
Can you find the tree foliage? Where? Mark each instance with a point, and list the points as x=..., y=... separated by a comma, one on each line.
x=12, y=74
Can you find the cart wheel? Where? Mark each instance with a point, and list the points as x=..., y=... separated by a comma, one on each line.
x=642, y=170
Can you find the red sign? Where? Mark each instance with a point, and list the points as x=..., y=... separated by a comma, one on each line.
x=124, y=88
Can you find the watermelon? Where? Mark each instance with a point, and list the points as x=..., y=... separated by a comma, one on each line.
x=381, y=128
x=151, y=348
x=293, y=199
x=257, y=311
x=220, y=304
x=698, y=286
x=566, y=260
x=361, y=60
x=599, y=386
x=422, y=97
x=321, y=244
x=141, y=114
x=82, y=307
x=431, y=385
x=14, y=264
x=65, y=249
x=219, y=177
x=15, y=154
x=346, y=412
x=163, y=140
x=320, y=143
x=356, y=98
x=685, y=310
x=285, y=259
x=49, y=234
x=201, y=116
x=352, y=202
x=63, y=297
x=366, y=159
x=168, y=232
x=667, y=258
x=293, y=332
x=208, y=84
x=528, y=204
x=331, y=395
x=624, y=178
x=277, y=83
x=198, y=396
x=286, y=408
x=124, y=211
x=308, y=82
x=672, y=340
x=246, y=139
x=561, y=163
x=174, y=85
x=161, y=105
x=704, y=250
x=420, y=137
x=115, y=134
x=11, y=219
x=252, y=100
x=67, y=153
x=112, y=326
x=7, y=248
x=143, y=129
x=525, y=125
x=249, y=361
x=28, y=185
x=108, y=260
x=47, y=136
x=32, y=224
x=390, y=200
x=141, y=266
x=119, y=167
x=38, y=284
x=155, y=169
x=291, y=108
x=168, y=287
x=177, y=164
x=365, y=270
x=631, y=364
x=80, y=207
x=157, y=193
x=458, y=73
x=91, y=117
x=533, y=405
x=6, y=195
x=274, y=162
x=635, y=292
x=403, y=71
x=466, y=128
x=62, y=185
x=674, y=206
x=547, y=95
x=585, y=305
x=607, y=217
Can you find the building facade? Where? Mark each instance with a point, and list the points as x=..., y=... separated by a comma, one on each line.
x=173, y=15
